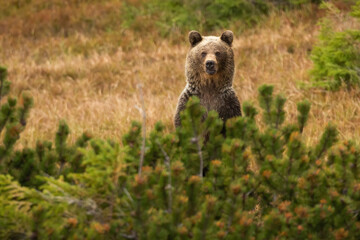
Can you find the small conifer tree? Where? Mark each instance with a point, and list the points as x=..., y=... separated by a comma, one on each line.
x=25, y=164
x=336, y=56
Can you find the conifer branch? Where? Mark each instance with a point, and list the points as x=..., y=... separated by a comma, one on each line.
x=231, y=216
x=128, y=195
x=303, y=108
x=328, y=138
x=279, y=113
x=60, y=144
x=169, y=186
x=201, y=158
x=196, y=141
x=126, y=236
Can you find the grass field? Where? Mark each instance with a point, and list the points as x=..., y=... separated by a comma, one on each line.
x=90, y=76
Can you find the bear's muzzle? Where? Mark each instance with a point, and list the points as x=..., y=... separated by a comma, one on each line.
x=210, y=67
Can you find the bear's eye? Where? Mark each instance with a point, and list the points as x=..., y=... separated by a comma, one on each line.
x=203, y=54
x=217, y=54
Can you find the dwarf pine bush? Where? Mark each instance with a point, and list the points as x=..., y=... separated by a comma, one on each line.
x=336, y=56
x=48, y=160
x=195, y=183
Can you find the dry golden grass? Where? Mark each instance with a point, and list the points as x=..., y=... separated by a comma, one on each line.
x=91, y=81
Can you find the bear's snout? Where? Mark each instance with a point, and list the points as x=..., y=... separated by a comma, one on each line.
x=210, y=67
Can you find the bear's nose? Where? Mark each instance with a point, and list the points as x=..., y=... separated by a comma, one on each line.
x=210, y=64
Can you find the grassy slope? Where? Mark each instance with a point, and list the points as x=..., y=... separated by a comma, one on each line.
x=88, y=72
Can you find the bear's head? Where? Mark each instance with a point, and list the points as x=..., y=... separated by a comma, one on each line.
x=210, y=59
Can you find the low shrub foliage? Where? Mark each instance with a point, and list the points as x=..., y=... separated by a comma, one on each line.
x=194, y=184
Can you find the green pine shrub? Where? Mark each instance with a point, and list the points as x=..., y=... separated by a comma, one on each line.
x=195, y=183
x=25, y=164
x=336, y=56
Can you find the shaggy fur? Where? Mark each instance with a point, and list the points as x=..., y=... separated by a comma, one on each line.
x=213, y=86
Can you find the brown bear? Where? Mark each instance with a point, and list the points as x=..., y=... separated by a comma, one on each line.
x=209, y=71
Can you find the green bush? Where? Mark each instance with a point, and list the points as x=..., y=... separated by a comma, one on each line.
x=194, y=184
x=336, y=56
x=48, y=160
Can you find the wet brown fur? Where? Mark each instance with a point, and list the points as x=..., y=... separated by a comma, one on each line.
x=214, y=91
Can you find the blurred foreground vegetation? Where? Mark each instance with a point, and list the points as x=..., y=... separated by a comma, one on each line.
x=253, y=184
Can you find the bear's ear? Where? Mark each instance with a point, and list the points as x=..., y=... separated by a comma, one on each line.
x=194, y=38
x=227, y=37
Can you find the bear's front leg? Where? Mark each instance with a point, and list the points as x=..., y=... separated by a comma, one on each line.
x=230, y=107
x=183, y=99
